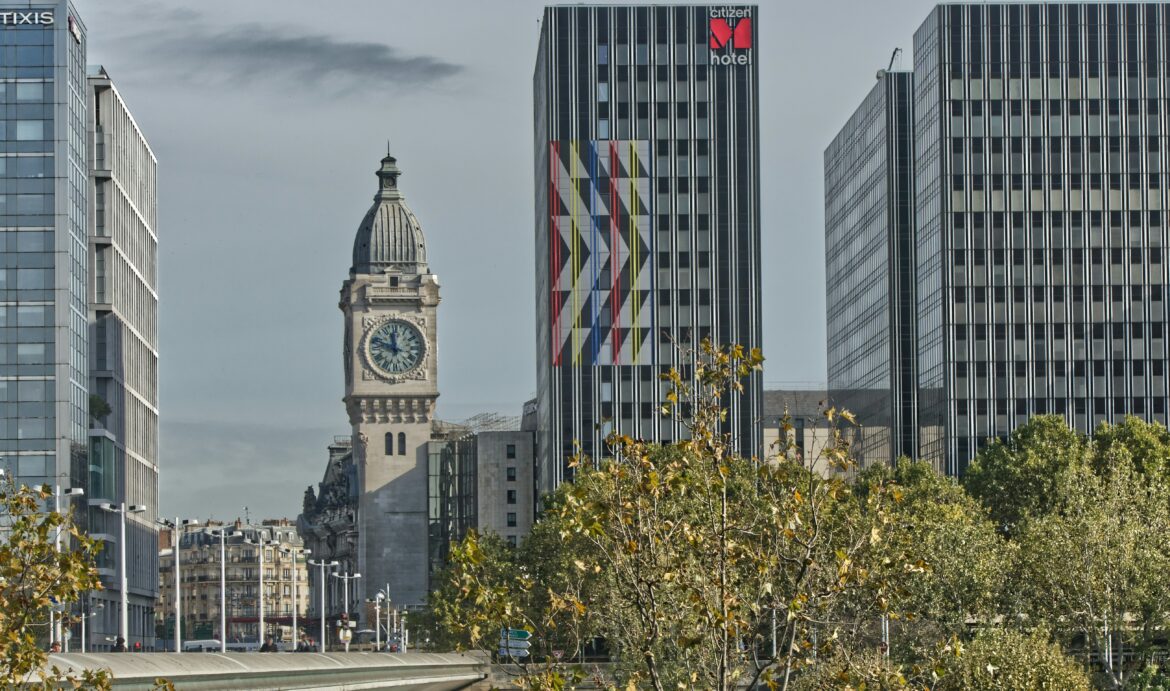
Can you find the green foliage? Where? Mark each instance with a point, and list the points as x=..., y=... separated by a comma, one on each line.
x=33, y=573
x=942, y=556
x=1016, y=479
x=98, y=407
x=1144, y=445
x=703, y=569
x=1006, y=660
x=689, y=561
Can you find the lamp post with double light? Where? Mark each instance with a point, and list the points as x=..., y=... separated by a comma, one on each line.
x=222, y=534
x=58, y=492
x=176, y=529
x=346, y=578
x=88, y=615
x=322, y=563
x=122, y=509
x=296, y=554
x=261, y=544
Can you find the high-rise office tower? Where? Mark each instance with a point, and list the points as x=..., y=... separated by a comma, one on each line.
x=123, y=358
x=647, y=216
x=869, y=259
x=1040, y=218
x=43, y=207
x=1041, y=229
x=76, y=232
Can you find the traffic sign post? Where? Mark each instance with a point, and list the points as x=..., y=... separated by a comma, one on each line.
x=514, y=643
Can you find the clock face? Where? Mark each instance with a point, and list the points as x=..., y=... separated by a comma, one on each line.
x=396, y=347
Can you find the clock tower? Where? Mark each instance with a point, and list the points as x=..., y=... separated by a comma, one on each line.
x=391, y=385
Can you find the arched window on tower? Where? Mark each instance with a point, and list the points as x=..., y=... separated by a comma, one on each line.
x=389, y=443
x=402, y=443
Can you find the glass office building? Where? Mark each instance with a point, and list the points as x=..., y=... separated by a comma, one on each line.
x=43, y=205
x=1041, y=229
x=869, y=259
x=123, y=348
x=647, y=216
x=58, y=185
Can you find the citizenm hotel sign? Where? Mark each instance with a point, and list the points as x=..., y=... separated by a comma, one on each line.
x=730, y=35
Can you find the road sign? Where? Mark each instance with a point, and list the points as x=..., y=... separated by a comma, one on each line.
x=515, y=645
x=513, y=652
x=518, y=634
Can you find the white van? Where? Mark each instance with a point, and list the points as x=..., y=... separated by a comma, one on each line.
x=209, y=645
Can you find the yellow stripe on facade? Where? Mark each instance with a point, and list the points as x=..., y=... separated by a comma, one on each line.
x=574, y=253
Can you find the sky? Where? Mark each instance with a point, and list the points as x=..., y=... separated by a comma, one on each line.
x=268, y=119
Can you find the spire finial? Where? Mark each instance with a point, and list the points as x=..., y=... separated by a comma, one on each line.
x=388, y=175
x=387, y=147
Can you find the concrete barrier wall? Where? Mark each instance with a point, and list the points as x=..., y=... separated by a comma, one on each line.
x=290, y=671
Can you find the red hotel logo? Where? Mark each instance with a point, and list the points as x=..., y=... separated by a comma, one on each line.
x=730, y=31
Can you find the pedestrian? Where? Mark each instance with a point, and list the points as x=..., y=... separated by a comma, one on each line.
x=119, y=645
x=55, y=647
x=269, y=646
x=138, y=646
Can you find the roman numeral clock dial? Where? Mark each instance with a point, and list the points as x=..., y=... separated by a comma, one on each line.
x=395, y=347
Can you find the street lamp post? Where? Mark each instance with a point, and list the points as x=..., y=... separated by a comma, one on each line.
x=296, y=576
x=176, y=527
x=122, y=510
x=261, y=543
x=86, y=615
x=322, y=563
x=55, y=628
x=346, y=578
x=222, y=589
x=378, y=620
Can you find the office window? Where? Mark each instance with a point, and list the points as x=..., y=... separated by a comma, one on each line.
x=389, y=443
x=30, y=130
x=511, y=473
x=402, y=443
x=511, y=451
x=511, y=520
x=511, y=540
x=511, y=496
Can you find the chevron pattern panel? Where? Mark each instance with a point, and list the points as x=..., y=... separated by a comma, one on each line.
x=602, y=252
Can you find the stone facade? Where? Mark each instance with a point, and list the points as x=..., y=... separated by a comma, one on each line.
x=506, y=488
x=199, y=571
x=391, y=385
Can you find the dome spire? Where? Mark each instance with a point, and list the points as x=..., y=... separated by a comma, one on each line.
x=389, y=237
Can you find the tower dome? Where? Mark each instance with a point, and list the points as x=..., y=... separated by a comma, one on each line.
x=389, y=236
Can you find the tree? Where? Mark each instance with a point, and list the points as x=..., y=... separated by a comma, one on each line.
x=942, y=556
x=697, y=566
x=1095, y=566
x=1016, y=479
x=1145, y=445
x=34, y=575
x=98, y=407
x=1006, y=660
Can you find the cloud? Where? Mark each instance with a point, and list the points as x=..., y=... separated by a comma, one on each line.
x=185, y=46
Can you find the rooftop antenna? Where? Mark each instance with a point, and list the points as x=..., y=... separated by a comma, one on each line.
x=387, y=147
